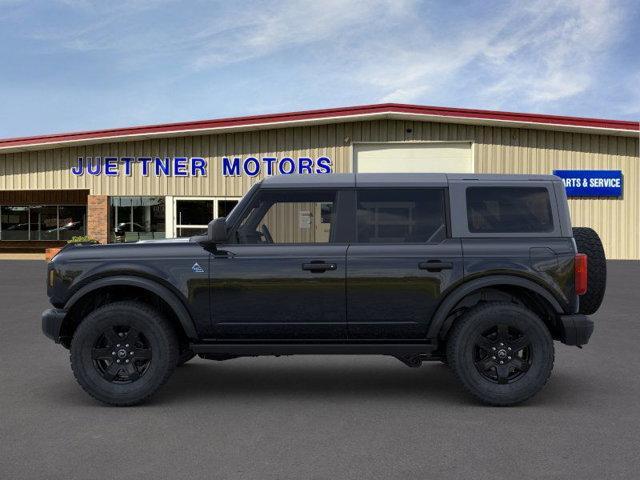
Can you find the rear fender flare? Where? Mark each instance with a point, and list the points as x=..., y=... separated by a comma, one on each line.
x=440, y=325
x=161, y=291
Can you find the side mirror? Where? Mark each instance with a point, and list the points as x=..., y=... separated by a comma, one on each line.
x=217, y=230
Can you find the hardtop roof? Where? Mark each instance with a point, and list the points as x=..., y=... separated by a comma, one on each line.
x=346, y=180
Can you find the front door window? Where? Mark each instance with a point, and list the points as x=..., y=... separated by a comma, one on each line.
x=289, y=217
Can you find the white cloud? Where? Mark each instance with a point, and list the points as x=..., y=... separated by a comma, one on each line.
x=528, y=56
x=218, y=33
x=545, y=52
x=553, y=53
x=288, y=24
x=630, y=103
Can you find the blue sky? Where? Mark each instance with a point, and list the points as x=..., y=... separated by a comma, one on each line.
x=80, y=64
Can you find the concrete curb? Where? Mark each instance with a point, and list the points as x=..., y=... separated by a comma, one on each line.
x=21, y=256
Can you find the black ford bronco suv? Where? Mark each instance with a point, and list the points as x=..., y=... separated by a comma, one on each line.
x=481, y=272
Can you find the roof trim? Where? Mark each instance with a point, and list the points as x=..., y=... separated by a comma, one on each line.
x=345, y=114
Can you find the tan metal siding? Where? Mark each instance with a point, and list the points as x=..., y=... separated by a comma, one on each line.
x=495, y=150
x=527, y=151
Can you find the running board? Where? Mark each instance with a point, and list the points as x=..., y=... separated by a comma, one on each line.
x=253, y=349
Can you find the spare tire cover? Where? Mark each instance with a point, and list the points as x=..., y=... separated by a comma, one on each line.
x=588, y=242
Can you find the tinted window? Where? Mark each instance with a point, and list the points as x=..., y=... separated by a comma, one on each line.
x=72, y=221
x=225, y=207
x=15, y=223
x=509, y=210
x=45, y=222
x=289, y=217
x=401, y=216
x=137, y=218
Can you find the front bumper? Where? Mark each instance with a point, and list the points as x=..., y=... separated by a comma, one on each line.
x=575, y=329
x=52, y=320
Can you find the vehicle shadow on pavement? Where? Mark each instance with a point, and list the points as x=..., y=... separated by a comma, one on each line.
x=433, y=382
x=343, y=380
x=255, y=381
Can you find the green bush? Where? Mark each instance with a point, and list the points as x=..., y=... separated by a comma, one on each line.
x=82, y=239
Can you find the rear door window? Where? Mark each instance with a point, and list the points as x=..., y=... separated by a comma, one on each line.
x=401, y=216
x=509, y=210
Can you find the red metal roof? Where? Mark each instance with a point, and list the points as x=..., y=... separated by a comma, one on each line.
x=529, y=120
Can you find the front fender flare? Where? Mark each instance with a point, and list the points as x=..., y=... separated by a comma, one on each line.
x=154, y=287
x=439, y=325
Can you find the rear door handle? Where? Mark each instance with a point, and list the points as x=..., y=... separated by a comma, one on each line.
x=435, y=266
x=318, y=266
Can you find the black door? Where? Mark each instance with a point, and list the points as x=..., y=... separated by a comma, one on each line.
x=401, y=262
x=283, y=273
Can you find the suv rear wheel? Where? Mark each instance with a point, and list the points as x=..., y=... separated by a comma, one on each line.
x=123, y=352
x=501, y=352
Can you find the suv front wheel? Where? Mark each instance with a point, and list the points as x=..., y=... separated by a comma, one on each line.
x=121, y=353
x=501, y=352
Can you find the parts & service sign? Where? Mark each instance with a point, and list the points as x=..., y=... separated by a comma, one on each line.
x=591, y=183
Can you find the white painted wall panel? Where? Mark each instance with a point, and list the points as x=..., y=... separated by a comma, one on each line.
x=413, y=157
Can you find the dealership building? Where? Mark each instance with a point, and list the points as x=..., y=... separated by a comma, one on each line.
x=170, y=180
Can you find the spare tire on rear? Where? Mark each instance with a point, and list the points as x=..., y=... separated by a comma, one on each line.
x=588, y=242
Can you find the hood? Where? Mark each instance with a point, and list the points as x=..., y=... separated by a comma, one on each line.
x=113, y=251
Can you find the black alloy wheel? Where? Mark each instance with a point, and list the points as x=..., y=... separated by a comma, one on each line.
x=502, y=354
x=121, y=354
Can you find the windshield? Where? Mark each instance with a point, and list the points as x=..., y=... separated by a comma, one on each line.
x=240, y=206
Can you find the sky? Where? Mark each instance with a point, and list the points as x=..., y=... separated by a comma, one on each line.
x=70, y=65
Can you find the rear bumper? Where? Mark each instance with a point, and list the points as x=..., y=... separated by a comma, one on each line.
x=575, y=329
x=52, y=320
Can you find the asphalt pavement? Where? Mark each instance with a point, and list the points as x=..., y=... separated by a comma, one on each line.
x=315, y=417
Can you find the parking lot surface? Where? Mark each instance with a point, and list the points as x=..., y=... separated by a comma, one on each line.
x=318, y=417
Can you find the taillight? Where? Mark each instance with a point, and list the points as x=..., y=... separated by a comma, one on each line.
x=580, y=269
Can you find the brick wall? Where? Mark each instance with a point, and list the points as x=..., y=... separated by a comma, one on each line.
x=98, y=217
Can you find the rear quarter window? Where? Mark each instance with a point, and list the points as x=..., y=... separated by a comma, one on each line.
x=509, y=210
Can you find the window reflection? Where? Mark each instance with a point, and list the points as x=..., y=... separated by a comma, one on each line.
x=42, y=222
x=137, y=218
x=71, y=222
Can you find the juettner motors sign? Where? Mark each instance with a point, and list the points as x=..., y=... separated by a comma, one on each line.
x=198, y=166
x=591, y=183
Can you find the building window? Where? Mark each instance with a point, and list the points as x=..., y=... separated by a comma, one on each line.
x=42, y=222
x=15, y=223
x=137, y=218
x=194, y=214
x=193, y=217
x=71, y=220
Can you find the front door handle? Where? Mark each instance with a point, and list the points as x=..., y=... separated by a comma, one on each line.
x=318, y=266
x=435, y=266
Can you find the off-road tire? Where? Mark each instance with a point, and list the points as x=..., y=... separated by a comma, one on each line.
x=589, y=243
x=156, y=330
x=462, y=345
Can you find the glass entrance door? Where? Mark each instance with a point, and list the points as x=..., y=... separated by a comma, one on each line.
x=192, y=215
